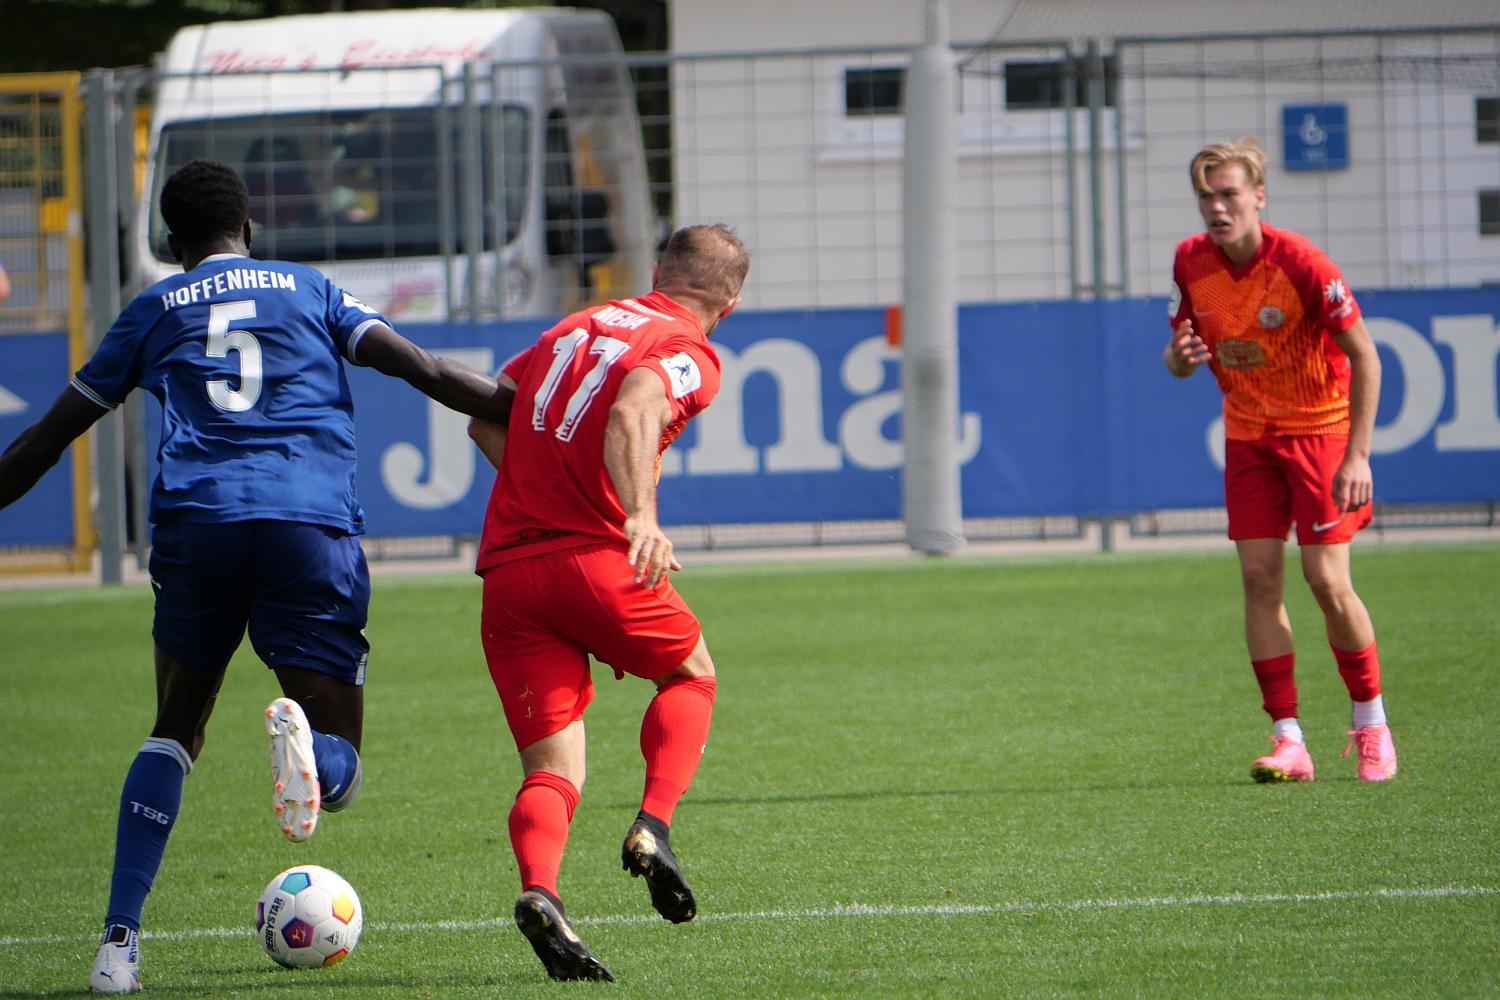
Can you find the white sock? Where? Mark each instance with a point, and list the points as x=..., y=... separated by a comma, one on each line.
x=1288, y=728
x=1368, y=713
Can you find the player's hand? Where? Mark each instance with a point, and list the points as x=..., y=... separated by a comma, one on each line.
x=650, y=552
x=1353, y=484
x=1186, y=350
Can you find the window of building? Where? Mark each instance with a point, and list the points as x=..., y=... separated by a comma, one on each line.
x=1051, y=84
x=1487, y=119
x=874, y=91
x=1489, y=212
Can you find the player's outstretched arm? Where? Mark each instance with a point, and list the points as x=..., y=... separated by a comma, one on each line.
x=38, y=447
x=455, y=385
x=632, y=442
x=490, y=437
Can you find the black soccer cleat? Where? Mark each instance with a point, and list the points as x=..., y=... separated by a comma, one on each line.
x=540, y=917
x=645, y=853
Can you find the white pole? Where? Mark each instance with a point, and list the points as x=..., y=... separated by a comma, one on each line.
x=931, y=501
x=104, y=302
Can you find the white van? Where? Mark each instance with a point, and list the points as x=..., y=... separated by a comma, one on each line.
x=441, y=164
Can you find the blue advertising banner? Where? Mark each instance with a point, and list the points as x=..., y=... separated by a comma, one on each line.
x=33, y=370
x=1064, y=408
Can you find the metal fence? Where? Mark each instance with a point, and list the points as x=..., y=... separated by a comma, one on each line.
x=1410, y=197
x=1071, y=165
x=1071, y=176
x=803, y=151
x=1072, y=158
x=40, y=199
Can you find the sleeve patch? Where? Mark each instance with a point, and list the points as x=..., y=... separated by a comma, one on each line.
x=683, y=373
x=353, y=303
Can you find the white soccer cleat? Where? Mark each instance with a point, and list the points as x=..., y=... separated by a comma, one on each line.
x=117, y=964
x=294, y=771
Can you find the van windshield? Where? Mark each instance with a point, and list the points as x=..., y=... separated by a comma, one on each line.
x=357, y=185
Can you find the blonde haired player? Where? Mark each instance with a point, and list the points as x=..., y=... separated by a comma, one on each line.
x=1270, y=315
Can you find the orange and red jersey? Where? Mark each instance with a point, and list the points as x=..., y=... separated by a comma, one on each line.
x=1270, y=326
x=553, y=490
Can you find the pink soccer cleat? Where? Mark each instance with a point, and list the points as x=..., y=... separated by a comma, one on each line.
x=1287, y=761
x=1377, y=753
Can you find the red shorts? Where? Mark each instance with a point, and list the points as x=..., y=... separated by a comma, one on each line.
x=1273, y=481
x=543, y=616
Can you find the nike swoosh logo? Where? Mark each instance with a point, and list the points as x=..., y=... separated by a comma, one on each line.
x=1330, y=524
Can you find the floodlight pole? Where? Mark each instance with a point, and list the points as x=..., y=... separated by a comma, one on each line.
x=931, y=500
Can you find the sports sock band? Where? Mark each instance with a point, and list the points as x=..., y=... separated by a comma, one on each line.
x=1278, y=689
x=149, y=801
x=538, y=826
x=673, y=733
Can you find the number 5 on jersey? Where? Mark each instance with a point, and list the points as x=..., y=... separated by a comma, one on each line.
x=222, y=340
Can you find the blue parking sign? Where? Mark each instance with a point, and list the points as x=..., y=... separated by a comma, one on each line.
x=1315, y=136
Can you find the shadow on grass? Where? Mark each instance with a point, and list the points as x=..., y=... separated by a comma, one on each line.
x=1153, y=784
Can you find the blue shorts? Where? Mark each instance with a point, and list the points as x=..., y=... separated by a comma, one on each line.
x=303, y=590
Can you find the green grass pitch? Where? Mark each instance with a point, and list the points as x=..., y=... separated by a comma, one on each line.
x=965, y=777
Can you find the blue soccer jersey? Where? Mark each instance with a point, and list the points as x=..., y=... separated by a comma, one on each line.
x=246, y=358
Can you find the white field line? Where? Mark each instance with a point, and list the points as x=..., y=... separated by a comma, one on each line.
x=859, y=910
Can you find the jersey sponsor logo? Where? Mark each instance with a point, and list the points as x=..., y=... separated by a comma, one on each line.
x=1270, y=317
x=1336, y=294
x=354, y=303
x=1240, y=353
x=684, y=373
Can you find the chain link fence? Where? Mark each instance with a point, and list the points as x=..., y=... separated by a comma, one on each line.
x=1072, y=159
x=1071, y=180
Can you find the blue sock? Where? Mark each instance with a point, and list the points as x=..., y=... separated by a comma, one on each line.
x=149, y=802
x=337, y=761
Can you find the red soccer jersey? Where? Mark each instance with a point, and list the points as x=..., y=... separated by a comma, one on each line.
x=1270, y=325
x=553, y=490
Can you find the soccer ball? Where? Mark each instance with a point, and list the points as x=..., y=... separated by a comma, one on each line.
x=308, y=917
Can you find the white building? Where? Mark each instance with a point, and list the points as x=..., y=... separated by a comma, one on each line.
x=788, y=122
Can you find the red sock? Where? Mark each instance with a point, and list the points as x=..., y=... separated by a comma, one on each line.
x=539, y=827
x=1278, y=691
x=1360, y=671
x=672, y=736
